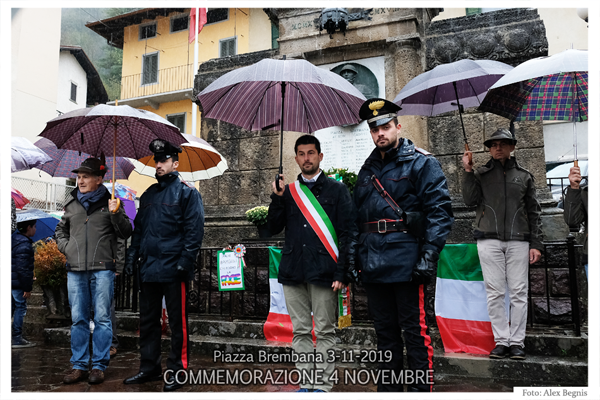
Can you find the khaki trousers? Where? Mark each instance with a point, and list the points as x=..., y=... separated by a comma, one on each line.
x=505, y=265
x=322, y=301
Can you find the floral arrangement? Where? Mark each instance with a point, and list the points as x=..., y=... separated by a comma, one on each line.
x=49, y=264
x=257, y=215
x=348, y=178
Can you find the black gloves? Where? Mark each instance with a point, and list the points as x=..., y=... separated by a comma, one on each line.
x=128, y=269
x=425, y=268
x=181, y=272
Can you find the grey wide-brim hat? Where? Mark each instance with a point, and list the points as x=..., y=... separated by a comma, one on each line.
x=500, y=134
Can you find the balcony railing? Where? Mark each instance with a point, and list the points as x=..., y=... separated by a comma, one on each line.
x=168, y=80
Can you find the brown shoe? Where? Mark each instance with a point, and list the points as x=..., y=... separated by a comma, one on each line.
x=76, y=375
x=96, y=376
x=113, y=351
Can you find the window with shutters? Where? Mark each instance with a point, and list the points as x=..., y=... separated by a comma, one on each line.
x=148, y=31
x=227, y=47
x=150, y=69
x=73, y=92
x=178, y=120
x=179, y=23
x=217, y=15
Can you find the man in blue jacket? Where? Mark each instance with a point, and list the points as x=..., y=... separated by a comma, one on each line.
x=404, y=217
x=169, y=227
x=21, y=279
x=314, y=259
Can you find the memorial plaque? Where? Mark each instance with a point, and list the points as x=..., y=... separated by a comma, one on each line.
x=349, y=146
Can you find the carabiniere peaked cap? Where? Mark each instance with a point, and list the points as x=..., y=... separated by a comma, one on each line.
x=500, y=134
x=163, y=150
x=378, y=111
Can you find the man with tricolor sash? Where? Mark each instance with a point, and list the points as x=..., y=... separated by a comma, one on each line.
x=320, y=233
x=404, y=217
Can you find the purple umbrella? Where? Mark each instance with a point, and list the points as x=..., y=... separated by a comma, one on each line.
x=291, y=95
x=116, y=130
x=64, y=161
x=461, y=84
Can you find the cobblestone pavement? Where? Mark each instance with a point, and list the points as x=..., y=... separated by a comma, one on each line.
x=41, y=369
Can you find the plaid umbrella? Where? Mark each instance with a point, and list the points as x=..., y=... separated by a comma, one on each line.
x=116, y=130
x=198, y=161
x=24, y=155
x=64, y=161
x=546, y=88
x=447, y=87
x=291, y=95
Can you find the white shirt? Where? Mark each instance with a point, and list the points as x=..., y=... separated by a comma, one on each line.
x=313, y=179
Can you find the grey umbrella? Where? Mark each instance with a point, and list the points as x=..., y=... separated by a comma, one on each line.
x=447, y=87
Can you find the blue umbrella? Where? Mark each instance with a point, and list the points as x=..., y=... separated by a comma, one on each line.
x=46, y=223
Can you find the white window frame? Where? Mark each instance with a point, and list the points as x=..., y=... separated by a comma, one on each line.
x=234, y=38
x=184, y=119
x=140, y=38
x=174, y=17
x=157, y=68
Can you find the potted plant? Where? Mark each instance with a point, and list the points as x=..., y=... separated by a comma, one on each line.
x=258, y=216
x=51, y=274
x=348, y=178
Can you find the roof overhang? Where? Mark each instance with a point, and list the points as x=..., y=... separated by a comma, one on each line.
x=96, y=92
x=112, y=29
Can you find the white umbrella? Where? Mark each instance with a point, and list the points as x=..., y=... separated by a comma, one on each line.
x=24, y=155
x=198, y=161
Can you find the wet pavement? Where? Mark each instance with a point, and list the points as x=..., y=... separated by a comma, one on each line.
x=41, y=369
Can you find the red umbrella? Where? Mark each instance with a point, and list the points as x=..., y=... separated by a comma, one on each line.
x=19, y=198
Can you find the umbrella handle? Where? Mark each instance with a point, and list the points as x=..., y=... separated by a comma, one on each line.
x=470, y=154
x=118, y=203
x=576, y=163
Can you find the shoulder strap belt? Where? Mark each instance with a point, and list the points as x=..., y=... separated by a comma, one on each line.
x=387, y=198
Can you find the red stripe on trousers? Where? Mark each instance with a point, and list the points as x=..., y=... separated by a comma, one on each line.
x=424, y=334
x=184, y=360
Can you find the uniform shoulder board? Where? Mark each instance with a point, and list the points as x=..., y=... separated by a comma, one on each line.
x=422, y=151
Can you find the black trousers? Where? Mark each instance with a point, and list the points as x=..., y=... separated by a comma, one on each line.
x=397, y=307
x=176, y=298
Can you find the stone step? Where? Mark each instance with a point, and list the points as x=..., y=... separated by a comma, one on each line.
x=36, y=299
x=538, y=370
x=554, y=342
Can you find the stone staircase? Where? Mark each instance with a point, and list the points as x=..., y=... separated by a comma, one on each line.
x=555, y=356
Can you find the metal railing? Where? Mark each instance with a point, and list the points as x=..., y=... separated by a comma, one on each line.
x=253, y=303
x=46, y=196
x=168, y=80
x=557, y=187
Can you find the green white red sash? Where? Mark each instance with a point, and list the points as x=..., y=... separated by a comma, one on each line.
x=316, y=217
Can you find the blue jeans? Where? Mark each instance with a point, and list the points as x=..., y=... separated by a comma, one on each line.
x=19, y=309
x=90, y=290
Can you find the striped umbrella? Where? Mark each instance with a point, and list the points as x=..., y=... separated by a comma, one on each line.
x=198, y=161
x=551, y=88
x=291, y=95
x=64, y=161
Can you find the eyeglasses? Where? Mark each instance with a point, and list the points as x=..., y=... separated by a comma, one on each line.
x=499, y=144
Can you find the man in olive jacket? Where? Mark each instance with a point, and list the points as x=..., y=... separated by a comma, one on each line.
x=87, y=235
x=309, y=273
x=508, y=230
x=576, y=207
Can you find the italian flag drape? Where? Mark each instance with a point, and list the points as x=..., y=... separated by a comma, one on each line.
x=278, y=325
x=460, y=301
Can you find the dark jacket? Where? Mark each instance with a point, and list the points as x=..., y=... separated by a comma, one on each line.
x=576, y=211
x=21, y=276
x=169, y=228
x=414, y=179
x=507, y=208
x=304, y=257
x=89, y=239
